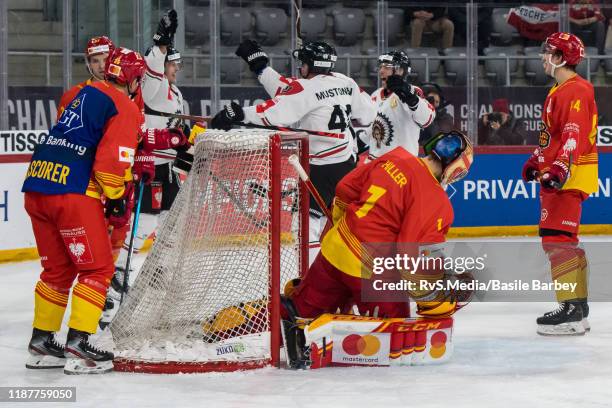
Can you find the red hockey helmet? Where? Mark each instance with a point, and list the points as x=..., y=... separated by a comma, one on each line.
x=99, y=45
x=568, y=44
x=124, y=65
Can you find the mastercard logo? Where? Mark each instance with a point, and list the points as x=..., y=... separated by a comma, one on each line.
x=125, y=154
x=366, y=345
x=438, y=344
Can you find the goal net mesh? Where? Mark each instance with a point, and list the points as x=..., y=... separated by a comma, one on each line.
x=203, y=292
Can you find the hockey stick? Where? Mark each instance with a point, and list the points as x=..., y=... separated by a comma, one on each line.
x=128, y=262
x=150, y=111
x=295, y=162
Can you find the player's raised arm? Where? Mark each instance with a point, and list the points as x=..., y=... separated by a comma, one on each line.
x=257, y=59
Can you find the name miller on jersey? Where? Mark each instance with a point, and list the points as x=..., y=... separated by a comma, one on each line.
x=330, y=93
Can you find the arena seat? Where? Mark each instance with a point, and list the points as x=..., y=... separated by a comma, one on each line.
x=197, y=26
x=349, y=25
x=270, y=25
x=418, y=62
x=313, y=24
x=456, y=68
x=236, y=24
x=342, y=63
x=533, y=67
x=395, y=25
x=496, y=69
x=501, y=31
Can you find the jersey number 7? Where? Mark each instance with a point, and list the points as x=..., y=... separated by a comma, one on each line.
x=375, y=193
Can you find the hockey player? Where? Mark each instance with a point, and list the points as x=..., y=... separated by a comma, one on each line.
x=96, y=52
x=565, y=163
x=86, y=157
x=402, y=109
x=320, y=100
x=160, y=136
x=396, y=198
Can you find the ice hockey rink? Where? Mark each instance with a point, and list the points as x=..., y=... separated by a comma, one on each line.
x=498, y=360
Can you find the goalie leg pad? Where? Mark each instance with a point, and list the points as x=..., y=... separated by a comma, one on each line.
x=347, y=340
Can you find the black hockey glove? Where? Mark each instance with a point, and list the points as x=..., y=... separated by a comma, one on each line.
x=404, y=91
x=166, y=28
x=253, y=55
x=225, y=118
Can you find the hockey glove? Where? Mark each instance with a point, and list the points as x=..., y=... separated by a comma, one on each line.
x=253, y=55
x=144, y=166
x=227, y=117
x=555, y=177
x=119, y=210
x=404, y=91
x=163, y=139
x=530, y=169
x=166, y=28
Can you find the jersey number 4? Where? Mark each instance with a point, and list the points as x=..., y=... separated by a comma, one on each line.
x=340, y=118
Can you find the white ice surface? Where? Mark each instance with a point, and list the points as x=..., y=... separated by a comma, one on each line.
x=499, y=361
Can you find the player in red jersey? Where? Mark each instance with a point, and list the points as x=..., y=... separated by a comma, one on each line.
x=565, y=163
x=86, y=157
x=96, y=52
x=395, y=199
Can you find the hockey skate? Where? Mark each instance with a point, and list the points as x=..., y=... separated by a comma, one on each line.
x=113, y=299
x=83, y=358
x=566, y=320
x=298, y=354
x=45, y=351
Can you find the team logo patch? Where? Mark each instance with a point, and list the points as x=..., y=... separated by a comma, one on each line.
x=76, y=242
x=126, y=154
x=544, y=214
x=544, y=139
x=382, y=130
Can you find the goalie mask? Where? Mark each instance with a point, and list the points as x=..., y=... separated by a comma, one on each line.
x=454, y=152
x=395, y=60
x=319, y=56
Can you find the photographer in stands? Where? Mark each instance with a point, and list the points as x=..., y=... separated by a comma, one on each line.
x=500, y=127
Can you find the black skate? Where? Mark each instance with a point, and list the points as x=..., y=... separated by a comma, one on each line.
x=564, y=321
x=45, y=351
x=113, y=299
x=83, y=358
x=298, y=354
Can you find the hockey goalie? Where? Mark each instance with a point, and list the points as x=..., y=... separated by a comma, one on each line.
x=398, y=199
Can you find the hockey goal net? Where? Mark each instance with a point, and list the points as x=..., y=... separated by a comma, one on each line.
x=207, y=296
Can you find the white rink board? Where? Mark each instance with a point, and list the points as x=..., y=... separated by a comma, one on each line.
x=16, y=229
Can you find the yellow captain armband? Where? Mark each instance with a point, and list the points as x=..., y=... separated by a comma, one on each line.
x=198, y=129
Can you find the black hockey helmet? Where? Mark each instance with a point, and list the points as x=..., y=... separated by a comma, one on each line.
x=172, y=55
x=318, y=55
x=395, y=59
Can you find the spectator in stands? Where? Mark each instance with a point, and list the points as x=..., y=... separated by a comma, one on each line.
x=587, y=21
x=444, y=121
x=430, y=19
x=458, y=16
x=606, y=9
x=500, y=127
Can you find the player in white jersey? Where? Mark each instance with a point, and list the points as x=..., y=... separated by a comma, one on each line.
x=161, y=137
x=402, y=110
x=321, y=100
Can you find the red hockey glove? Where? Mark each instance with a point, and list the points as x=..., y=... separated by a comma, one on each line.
x=555, y=177
x=144, y=166
x=119, y=210
x=530, y=169
x=162, y=139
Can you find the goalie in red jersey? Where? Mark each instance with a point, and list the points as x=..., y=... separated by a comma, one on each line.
x=565, y=163
x=396, y=199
